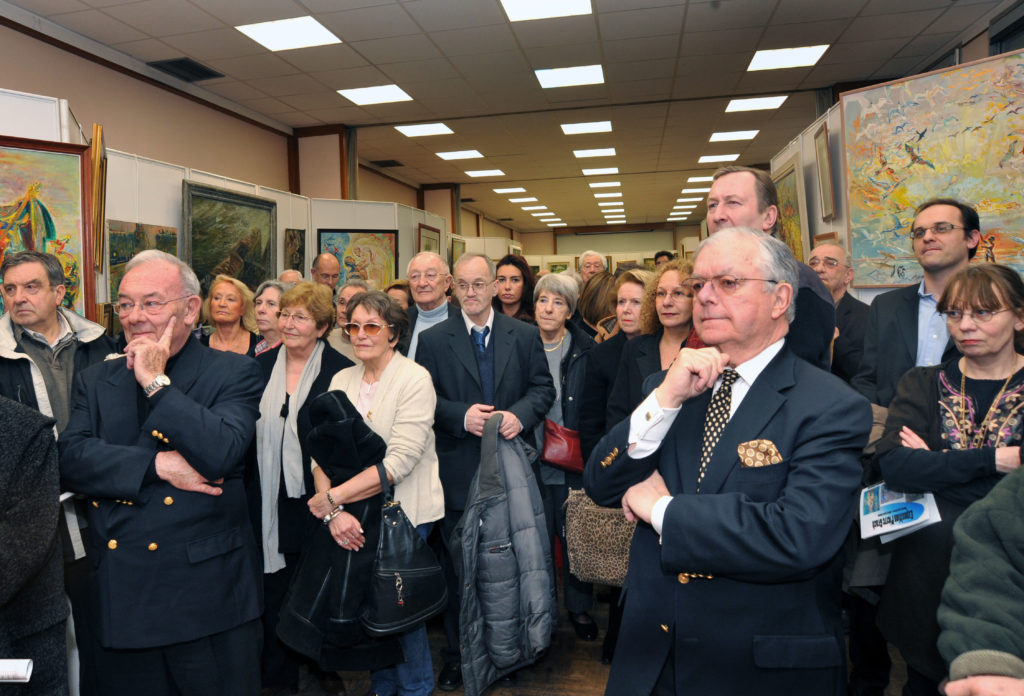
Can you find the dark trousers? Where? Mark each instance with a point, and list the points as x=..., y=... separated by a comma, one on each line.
x=224, y=664
x=919, y=684
x=869, y=653
x=450, y=653
x=279, y=664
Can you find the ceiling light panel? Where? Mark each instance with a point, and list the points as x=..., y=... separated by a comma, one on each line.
x=591, y=127
x=755, y=104
x=570, y=77
x=605, y=184
x=535, y=207
x=596, y=152
x=289, y=34
x=541, y=214
x=696, y=190
x=514, y=189
x=699, y=179
x=689, y=200
x=602, y=171
x=524, y=199
x=727, y=136
x=607, y=203
x=525, y=10
x=485, y=172
x=460, y=154
x=381, y=94
x=777, y=59
x=610, y=194
x=420, y=129
x=556, y=224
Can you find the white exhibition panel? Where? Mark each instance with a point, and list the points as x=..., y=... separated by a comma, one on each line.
x=292, y=213
x=24, y=115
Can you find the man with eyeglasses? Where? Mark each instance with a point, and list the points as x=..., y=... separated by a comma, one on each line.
x=429, y=281
x=42, y=347
x=747, y=197
x=742, y=467
x=591, y=263
x=832, y=264
x=336, y=337
x=156, y=441
x=482, y=363
x=326, y=270
x=905, y=328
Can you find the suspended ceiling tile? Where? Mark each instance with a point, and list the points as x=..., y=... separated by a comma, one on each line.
x=235, y=13
x=888, y=26
x=99, y=26
x=379, y=21
x=728, y=14
x=215, y=43
x=147, y=50
x=161, y=18
x=633, y=24
x=440, y=15
x=289, y=85
x=324, y=58
x=397, y=49
x=252, y=67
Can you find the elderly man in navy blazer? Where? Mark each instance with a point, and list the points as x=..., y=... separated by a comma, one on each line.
x=156, y=442
x=482, y=363
x=742, y=468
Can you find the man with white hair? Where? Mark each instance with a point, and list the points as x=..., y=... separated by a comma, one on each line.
x=742, y=468
x=591, y=263
x=429, y=280
x=156, y=441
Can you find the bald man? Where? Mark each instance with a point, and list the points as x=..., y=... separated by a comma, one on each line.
x=326, y=270
x=290, y=276
x=832, y=264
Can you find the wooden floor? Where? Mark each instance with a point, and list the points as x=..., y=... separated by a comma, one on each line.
x=572, y=667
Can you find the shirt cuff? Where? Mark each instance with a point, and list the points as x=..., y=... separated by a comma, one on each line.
x=658, y=512
x=648, y=426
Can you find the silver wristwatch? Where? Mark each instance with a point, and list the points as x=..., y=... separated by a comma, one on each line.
x=156, y=385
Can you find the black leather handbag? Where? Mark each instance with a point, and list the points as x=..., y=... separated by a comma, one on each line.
x=407, y=586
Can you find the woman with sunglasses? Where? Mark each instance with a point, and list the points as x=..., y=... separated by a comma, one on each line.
x=298, y=370
x=953, y=430
x=396, y=398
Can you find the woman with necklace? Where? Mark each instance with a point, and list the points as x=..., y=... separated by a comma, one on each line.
x=229, y=311
x=396, y=398
x=666, y=322
x=565, y=347
x=953, y=430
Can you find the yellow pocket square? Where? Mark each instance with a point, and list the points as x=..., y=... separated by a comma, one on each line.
x=759, y=453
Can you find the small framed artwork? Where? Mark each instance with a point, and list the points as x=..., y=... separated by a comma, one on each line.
x=428, y=239
x=558, y=266
x=792, y=223
x=129, y=238
x=457, y=247
x=229, y=233
x=295, y=250
x=370, y=255
x=824, y=162
x=826, y=238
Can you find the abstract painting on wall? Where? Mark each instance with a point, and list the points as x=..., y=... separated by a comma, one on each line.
x=126, y=239
x=792, y=224
x=295, y=250
x=955, y=133
x=228, y=233
x=370, y=255
x=42, y=208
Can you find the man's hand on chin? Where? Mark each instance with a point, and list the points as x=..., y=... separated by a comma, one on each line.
x=639, y=500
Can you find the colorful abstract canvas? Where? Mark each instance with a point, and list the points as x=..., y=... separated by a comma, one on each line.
x=41, y=209
x=954, y=133
x=370, y=255
x=229, y=233
x=126, y=239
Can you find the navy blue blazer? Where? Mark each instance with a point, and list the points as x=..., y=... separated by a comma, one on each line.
x=890, y=345
x=852, y=321
x=745, y=582
x=522, y=385
x=168, y=565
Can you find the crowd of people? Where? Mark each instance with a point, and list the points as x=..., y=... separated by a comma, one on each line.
x=223, y=500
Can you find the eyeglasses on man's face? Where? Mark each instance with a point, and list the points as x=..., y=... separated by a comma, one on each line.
x=722, y=284
x=815, y=262
x=371, y=328
x=150, y=307
x=937, y=228
x=477, y=287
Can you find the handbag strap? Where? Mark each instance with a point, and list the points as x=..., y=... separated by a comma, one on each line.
x=385, y=485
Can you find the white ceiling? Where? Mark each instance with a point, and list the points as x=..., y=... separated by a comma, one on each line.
x=670, y=68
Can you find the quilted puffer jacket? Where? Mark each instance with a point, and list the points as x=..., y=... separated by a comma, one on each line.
x=508, y=605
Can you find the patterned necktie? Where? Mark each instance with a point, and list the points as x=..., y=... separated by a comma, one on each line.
x=716, y=420
x=480, y=336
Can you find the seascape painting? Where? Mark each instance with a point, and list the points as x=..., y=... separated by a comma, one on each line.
x=954, y=133
x=41, y=209
x=228, y=233
x=370, y=255
x=126, y=239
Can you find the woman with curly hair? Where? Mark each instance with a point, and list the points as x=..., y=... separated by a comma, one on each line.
x=666, y=322
x=515, y=283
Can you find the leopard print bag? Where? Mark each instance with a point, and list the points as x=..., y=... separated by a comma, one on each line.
x=598, y=539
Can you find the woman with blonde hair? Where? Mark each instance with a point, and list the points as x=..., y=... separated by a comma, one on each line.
x=230, y=314
x=666, y=325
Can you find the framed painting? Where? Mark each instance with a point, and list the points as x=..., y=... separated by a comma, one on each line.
x=370, y=255
x=428, y=239
x=457, y=247
x=952, y=133
x=558, y=266
x=45, y=205
x=295, y=250
x=792, y=224
x=126, y=239
x=824, y=165
x=228, y=233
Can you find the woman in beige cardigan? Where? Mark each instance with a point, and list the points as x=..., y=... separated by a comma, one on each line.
x=396, y=398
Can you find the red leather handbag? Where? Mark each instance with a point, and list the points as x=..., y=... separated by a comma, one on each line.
x=562, y=447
